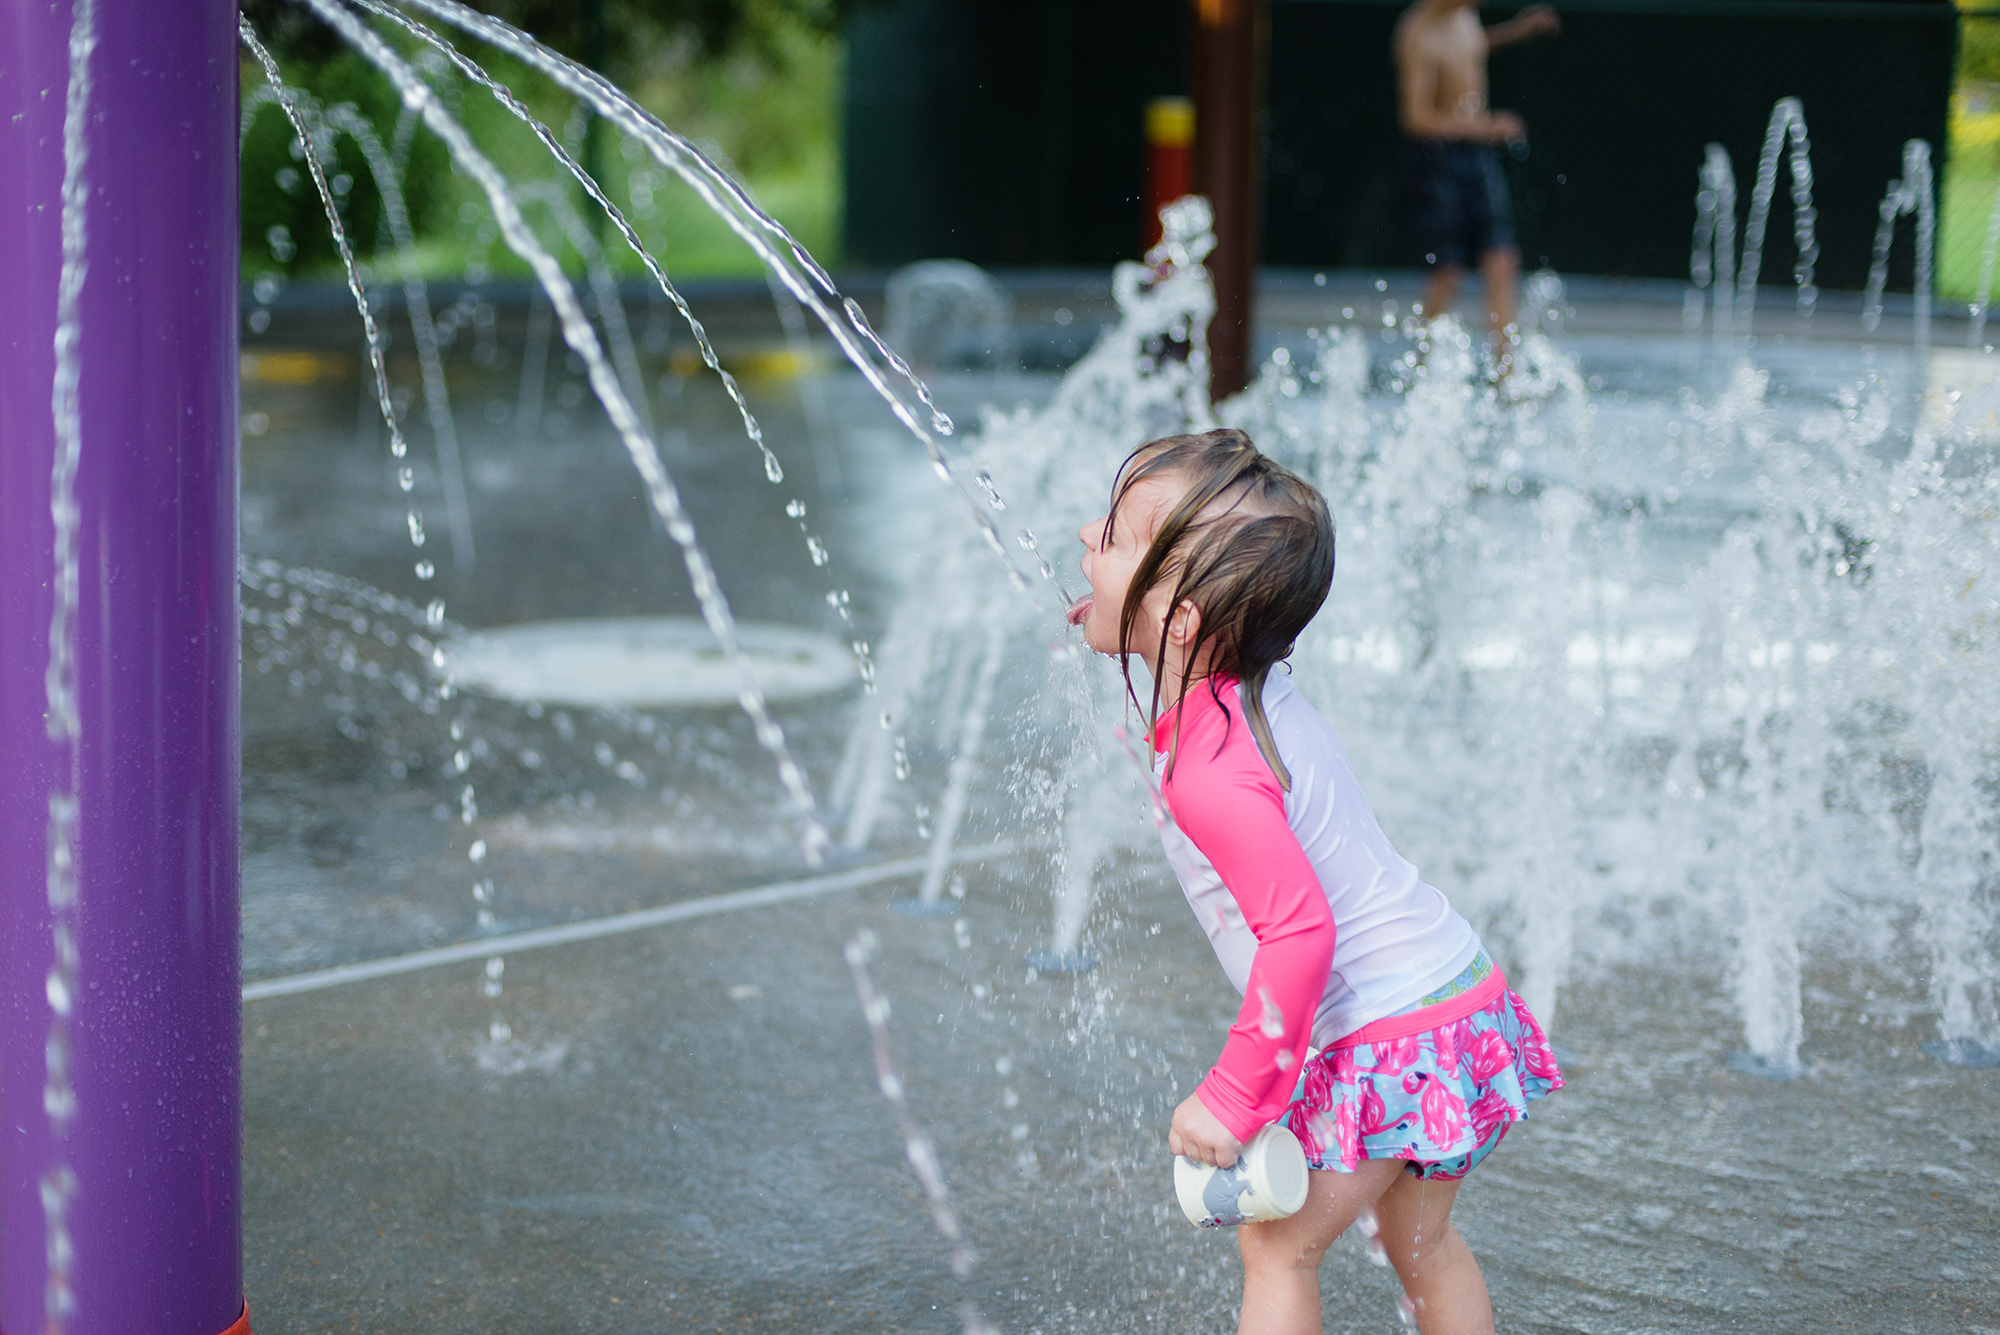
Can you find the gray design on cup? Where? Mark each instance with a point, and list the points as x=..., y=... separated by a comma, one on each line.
x=1222, y=1196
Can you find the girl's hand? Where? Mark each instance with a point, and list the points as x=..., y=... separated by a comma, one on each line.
x=1200, y=1135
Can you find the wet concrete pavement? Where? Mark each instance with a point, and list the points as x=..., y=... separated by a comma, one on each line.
x=684, y=1135
x=683, y=1132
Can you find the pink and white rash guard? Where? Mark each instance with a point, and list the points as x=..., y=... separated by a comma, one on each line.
x=1318, y=921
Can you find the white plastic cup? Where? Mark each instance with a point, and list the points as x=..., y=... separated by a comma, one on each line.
x=1268, y=1182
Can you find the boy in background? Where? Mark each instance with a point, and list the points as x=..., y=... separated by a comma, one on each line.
x=1457, y=197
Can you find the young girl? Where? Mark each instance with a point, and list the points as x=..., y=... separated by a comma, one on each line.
x=1373, y=1024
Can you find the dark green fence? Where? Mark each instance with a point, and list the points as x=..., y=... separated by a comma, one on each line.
x=1002, y=133
x=1009, y=134
x=1619, y=108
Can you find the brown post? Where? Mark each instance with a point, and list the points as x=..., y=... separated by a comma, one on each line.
x=1229, y=48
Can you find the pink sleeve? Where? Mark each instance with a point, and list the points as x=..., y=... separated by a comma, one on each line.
x=1231, y=806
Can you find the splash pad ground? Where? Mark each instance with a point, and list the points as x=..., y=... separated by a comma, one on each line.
x=682, y=1132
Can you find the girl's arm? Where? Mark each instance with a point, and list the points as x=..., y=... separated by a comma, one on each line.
x=1230, y=805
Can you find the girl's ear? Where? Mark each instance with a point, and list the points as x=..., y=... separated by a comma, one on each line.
x=1184, y=626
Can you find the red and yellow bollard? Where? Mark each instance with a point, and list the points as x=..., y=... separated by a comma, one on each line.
x=1169, y=161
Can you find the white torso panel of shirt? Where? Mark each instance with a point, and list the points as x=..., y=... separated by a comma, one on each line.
x=1397, y=938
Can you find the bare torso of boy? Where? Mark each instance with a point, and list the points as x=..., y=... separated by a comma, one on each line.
x=1441, y=68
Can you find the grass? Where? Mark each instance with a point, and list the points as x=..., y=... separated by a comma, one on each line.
x=1965, y=204
x=1972, y=158
x=1965, y=194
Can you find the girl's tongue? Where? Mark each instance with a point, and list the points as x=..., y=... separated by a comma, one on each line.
x=1079, y=609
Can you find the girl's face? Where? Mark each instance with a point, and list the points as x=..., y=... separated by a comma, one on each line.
x=1109, y=567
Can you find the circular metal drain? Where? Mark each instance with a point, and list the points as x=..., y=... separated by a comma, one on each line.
x=643, y=661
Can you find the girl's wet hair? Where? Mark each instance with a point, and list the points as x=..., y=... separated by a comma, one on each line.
x=1250, y=545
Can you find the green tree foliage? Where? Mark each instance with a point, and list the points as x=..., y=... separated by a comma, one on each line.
x=1979, y=51
x=756, y=80
x=630, y=32
x=284, y=222
x=623, y=38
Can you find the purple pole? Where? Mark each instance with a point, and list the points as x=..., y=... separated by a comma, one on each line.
x=155, y=1140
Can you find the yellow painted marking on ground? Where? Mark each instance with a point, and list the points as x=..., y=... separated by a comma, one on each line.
x=289, y=368
x=750, y=363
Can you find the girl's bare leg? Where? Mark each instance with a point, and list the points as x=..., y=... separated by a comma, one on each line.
x=1281, y=1259
x=1436, y=1267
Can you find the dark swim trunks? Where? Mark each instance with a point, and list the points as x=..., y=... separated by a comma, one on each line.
x=1458, y=200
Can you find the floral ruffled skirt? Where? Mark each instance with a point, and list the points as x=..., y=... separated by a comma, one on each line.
x=1441, y=1098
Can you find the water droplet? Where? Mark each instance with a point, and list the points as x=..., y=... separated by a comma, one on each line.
x=478, y=851
x=406, y=477
x=796, y=509
x=416, y=528
x=434, y=614
x=426, y=570
x=1272, y=1022
x=985, y=481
